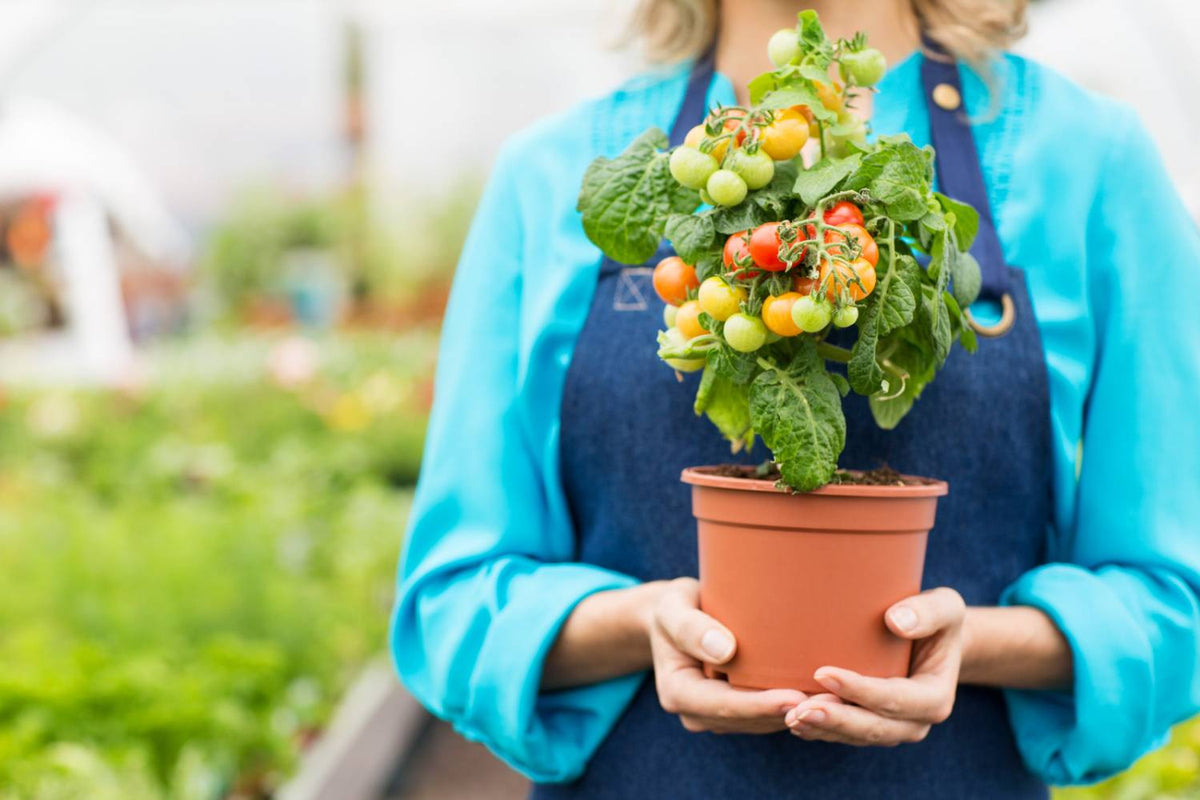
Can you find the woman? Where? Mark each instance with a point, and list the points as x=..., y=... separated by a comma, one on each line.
x=543, y=578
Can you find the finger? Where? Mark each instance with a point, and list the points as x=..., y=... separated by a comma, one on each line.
x=690, y=629
x=853, y=725
x=925, y=697
x=925, y=614
x=688, y=693
x=813, y=700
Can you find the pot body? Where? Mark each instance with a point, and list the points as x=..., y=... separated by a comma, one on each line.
x=803, y=580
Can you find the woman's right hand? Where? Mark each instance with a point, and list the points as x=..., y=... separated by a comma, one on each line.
x=682, y=639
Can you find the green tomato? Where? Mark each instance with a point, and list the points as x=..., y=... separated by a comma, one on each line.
x=783, y=47
x=669, y=314
x=811, y=314
x=845, y=316
x=691, y=167
x=756, y=169
x=745, y=333
x=726, y=188
x=718, y=299
x=864, y=68
x=674, y=340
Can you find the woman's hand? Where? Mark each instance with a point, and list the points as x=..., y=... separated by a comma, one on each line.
x=682, y=640
x=891, y=711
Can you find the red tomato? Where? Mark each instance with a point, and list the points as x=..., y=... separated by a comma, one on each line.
x=737, y=255
x=844, y=213
x=673, y=277
x=764, y=247
x=804, y=285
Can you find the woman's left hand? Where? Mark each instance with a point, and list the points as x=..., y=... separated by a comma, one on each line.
x=889, y=711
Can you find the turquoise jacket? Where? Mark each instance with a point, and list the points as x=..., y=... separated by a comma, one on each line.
x=1083, y=205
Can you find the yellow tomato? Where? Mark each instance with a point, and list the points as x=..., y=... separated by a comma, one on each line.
x=777, y=314
x=785, y=136
x=687, y=320
x=720, y=300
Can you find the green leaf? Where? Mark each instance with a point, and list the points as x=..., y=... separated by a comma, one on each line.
x=760, y=85
x=966, y=220
x=822, y=178
x=740, y=217
x=934, y=323
x=735, y=367
x=888, y=410
x=918, y=369
x=709, y=264
x=901, y=301
x=798, y=93
x=692, y=235
x=626, y=201
x=890, y=306
x=798, y=413
x=897, y=175
x=966, y=279
x=727, y=406
x=813, y=40
x=932, y=313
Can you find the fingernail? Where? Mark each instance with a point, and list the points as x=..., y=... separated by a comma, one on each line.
x=813, y=716
x=790, y=719
x=904, y=618
x=717, y=644
x=827, y=680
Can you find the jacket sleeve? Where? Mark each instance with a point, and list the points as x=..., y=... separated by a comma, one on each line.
x=1125, y=593
x=486, y=578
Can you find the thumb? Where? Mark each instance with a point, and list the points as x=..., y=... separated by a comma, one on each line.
x=925, y=614
x=692, y=631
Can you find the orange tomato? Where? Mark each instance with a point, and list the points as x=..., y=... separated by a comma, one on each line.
x=868, y=249
x=857, y=278
x=688, y=320
x=672, y=279
x=831, y=95
x=777, y=314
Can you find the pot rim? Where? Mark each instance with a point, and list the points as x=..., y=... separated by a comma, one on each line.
x=702, y=476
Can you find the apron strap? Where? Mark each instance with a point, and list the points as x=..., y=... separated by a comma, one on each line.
x=958, y=171
x=695, y=101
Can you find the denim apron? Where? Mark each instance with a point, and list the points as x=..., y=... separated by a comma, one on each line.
x=983, y=425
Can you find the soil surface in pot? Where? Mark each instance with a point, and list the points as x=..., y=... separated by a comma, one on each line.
x=880, y=476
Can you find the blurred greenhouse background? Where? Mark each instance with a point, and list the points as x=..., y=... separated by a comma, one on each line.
x=228, y=231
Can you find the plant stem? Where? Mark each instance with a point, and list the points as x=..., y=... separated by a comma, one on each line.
x=831, y=352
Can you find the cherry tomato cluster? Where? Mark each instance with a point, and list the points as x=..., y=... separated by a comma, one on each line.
x=733, y=153
x=824, y=289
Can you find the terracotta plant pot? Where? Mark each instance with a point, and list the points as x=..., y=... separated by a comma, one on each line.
x=803, y=580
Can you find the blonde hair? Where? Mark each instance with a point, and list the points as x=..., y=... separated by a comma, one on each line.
x=972, y=30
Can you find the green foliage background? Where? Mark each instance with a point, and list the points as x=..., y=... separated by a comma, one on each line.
x=194, y=571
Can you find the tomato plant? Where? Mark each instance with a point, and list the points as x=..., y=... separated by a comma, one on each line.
x=794, y=240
